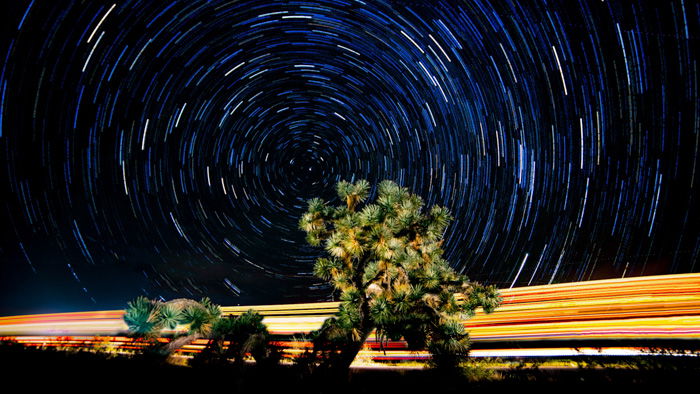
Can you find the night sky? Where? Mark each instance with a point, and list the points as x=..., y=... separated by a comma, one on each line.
x=167, y=148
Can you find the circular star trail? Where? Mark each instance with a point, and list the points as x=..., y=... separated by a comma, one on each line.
x=168, y=148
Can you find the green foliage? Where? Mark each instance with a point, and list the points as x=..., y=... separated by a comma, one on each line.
x=386, y=262
x=169, y=316
x=325, y=268
x=213, y=310
x=235, y=337
x=196, y=318
x=147, y=319
x=142, y=316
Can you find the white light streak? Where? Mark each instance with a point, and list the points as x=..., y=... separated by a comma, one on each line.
x=509, y=65
x=100, y=22
x=442, y=50
x=538, y=265
x=580, y=122
x=177, y=226
x=561, y=72
x=92, y=51
x=498, y=146
x=233, y=69
x=519, y=270
x=126, y=189
x=348, y=49
x=583, y=207
x=180, y=115
x=431, y=115
x=145, y=131
x=414, y=43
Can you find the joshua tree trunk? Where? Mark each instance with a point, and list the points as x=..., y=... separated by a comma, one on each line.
x=178, y=343
x=349, y=353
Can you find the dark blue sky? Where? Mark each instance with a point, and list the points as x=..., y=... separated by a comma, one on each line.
x=168, y=148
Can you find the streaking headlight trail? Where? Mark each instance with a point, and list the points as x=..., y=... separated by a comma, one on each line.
x=539, y=320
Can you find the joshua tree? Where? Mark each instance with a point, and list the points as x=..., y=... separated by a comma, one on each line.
x=385, y=260
x=148, y=318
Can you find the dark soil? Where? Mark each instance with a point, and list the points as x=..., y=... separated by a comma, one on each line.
x=40, y=370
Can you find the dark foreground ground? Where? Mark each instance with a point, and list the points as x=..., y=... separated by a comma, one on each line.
x=29, y=370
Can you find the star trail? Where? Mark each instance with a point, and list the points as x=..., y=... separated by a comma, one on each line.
x=167, y=148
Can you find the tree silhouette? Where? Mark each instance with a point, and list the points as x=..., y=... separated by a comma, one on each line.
x=236, y=337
